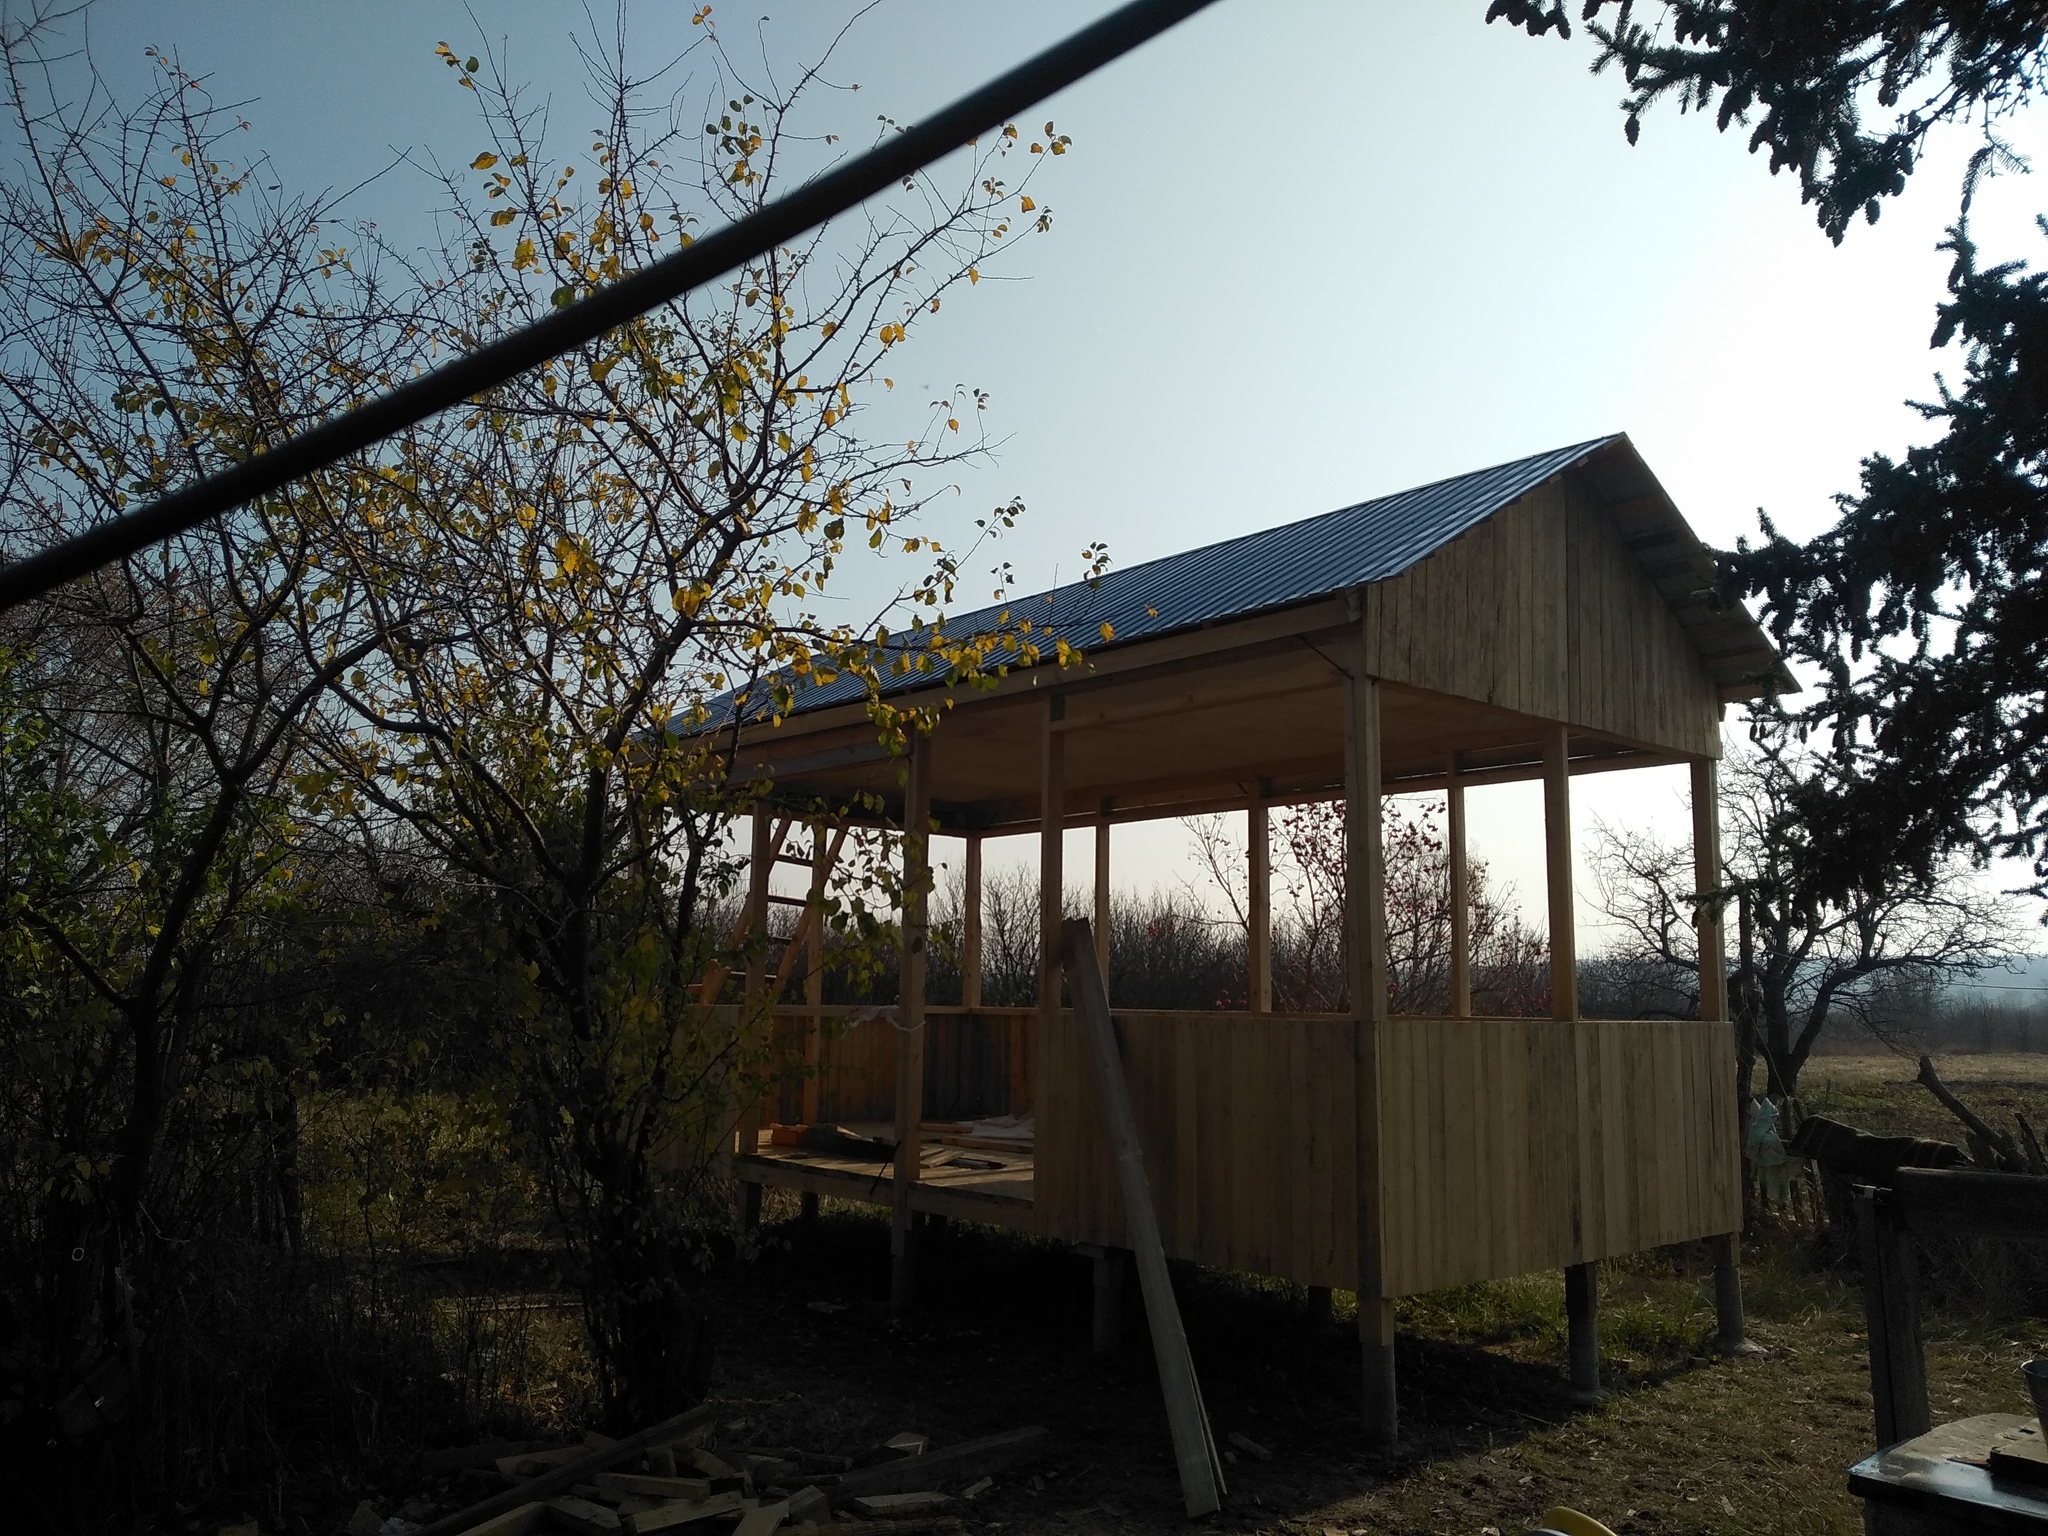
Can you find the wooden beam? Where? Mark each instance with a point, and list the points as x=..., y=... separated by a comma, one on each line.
x=754, y=1017
x=1052, y=763
x=1259, y=907
x=822, y=860
x=970, y=926
x=1557, y=871
x=1706, y=876
x=1194, y=1446
x=1460, y=892
x=1214, y=645
x=1891, y=1316
x=1582, y=1330
x=917, y=879
x=1185, y=703
x=1366, y=976
x=1102, y=896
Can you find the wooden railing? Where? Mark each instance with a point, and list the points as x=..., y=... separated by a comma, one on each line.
x=1507, y=1145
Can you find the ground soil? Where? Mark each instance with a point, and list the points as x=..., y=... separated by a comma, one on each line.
x=1688, y=1442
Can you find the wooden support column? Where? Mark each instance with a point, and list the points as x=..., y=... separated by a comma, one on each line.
x=752, y=1023
x=1258, y=843
x=1052, y=799
x=970, y=926
x=1557, y=868
x=1706, y=876
x=1582, y=1330
x=1460, y=892
x=1102, y=895
x=1732, y=1328
x=917, y=819
x=1366, y=977
x=1107, y=1333
x=814, y=980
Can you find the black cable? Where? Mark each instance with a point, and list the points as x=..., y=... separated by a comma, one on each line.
x=478, y=372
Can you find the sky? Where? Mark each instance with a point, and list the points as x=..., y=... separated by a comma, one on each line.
x=1303, y=254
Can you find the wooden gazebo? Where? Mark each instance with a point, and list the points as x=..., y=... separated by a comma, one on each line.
x=1549, y=618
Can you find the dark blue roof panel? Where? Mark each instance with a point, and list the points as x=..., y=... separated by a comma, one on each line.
x=1253, y=573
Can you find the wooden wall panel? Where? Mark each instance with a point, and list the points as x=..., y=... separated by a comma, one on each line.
x=1634, y=672
x=1525, y=1144
x=1246, y=1126
x=970, y=1062
x=1479, y=618
x=1544, y=610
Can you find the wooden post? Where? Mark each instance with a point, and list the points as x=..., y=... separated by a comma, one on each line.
x=1194, y=1447
x=1582, y=1330
x=1102, y=896
x=1460, y=893
x=1365, y=907
x=1706, y=876
x=970, y=926
x=760, y=865
x=1107, y=1333
x=814, y=978
x=1557, y=848
x=1052, y=799
x=1891, y=1315
x=1258, y=842
x=1732, y=1330
x=917, y=818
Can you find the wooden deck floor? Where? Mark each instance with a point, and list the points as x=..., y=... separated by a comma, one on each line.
x=968, y=1183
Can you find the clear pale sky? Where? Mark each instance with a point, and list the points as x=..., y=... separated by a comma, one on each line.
x=1304, y=253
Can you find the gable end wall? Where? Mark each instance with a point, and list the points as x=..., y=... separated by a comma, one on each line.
x=1541, y=609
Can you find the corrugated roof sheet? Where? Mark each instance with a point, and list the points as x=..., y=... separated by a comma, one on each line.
x=1255, y=572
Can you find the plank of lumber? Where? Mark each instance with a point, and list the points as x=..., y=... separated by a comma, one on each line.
x=520, y=1521
x=533, y=1463
x=884, y=1505
x=582, y=1516
x=763, y=1519
x=563, y=1478
x=1194, y=1447
x=1954, y=1203
x=618, y=1484
x=683, y=1512
x=954, y=1464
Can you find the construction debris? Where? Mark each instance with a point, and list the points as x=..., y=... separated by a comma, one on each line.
x=1249, y=1446
x=674, y=1479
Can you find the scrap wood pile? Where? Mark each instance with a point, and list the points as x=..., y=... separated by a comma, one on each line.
x=677, y=1477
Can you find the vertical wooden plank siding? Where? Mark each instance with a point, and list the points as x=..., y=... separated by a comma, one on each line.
x=970, y=927
x=1501, y=1184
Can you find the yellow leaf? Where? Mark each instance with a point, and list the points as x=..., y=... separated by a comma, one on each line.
x=973, y=276
x=1027, y=205
x=1108, y=633
x=483, y=162
x=502, y=217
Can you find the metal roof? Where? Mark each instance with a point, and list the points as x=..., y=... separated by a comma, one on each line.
x=1253, y=573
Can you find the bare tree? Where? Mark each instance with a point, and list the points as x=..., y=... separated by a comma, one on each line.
x=1805, y=959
